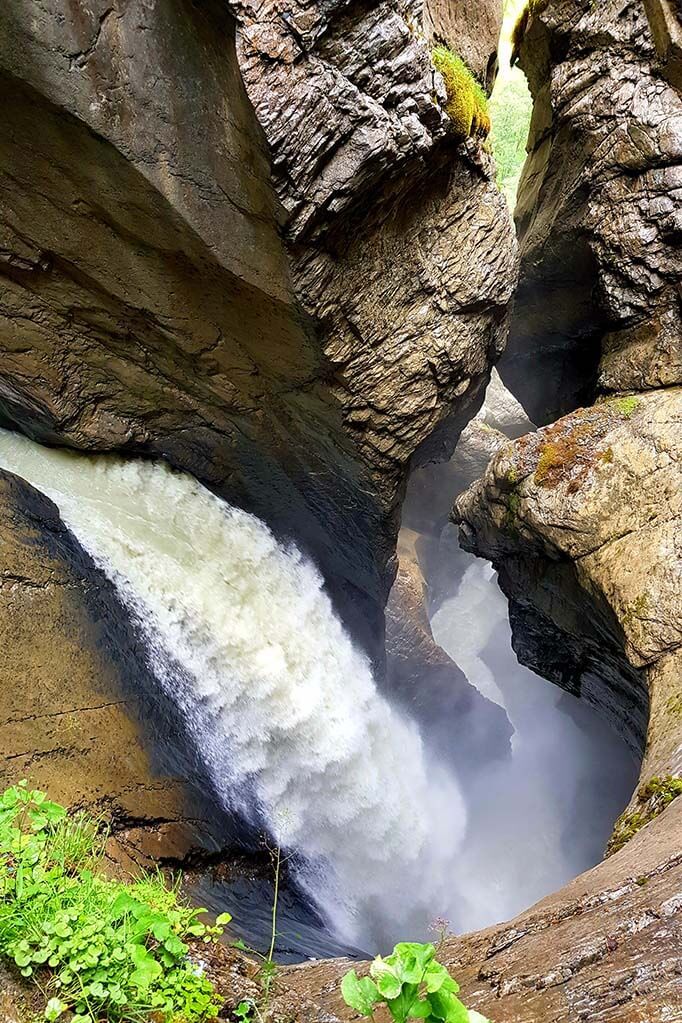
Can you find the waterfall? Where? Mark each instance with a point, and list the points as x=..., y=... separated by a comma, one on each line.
x=280, y=703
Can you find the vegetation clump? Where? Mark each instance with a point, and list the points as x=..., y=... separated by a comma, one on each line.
x=570, y=448
x=562, y=452
x=412, y=985
x=467, y=103
x=98, y=948
x=625, y=406
x=653, y=797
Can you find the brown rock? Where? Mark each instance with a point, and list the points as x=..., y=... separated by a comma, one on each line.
x=74, y=692
x=472, y=31
x=665, y=22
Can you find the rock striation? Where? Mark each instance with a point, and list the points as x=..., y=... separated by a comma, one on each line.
x=290, y=289
x=599, y=214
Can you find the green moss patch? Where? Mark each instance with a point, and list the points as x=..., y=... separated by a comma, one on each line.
x=467, y=103
x=653, y=797
x=625, y=406
x=571, y=447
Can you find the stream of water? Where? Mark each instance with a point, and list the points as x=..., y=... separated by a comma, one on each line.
x=282, y=707
x=295, y=737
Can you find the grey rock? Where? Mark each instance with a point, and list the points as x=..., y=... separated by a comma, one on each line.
x=597, y=308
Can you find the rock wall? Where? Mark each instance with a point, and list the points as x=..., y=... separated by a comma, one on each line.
x=149, y=302
x=472, y=30
x=599, y=215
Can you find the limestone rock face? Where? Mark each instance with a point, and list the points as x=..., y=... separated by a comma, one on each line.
x=75, y=707
x=458, y=724
x=599, y=211
x=583, y=522
x=149, y=303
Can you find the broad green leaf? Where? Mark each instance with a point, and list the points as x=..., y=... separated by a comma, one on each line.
x=54, y=1009
x=419, y=1009
x=437, y=978
x=385, y=978
x=359, y=994
x=223, y=919
x=475, y=1017
x=447, y=1007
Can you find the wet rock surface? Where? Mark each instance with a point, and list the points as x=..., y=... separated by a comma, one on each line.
x=599, y=215
x=149, y=303
x=458, y=724
x=75, y=704
x=605, y=947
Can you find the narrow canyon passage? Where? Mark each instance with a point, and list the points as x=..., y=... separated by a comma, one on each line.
x=297, y=741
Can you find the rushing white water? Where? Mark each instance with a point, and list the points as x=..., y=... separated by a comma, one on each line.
x=283, y=708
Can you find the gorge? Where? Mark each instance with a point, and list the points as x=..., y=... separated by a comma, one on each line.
x=260, y=482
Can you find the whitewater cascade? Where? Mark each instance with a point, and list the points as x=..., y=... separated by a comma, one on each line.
x=281, y=705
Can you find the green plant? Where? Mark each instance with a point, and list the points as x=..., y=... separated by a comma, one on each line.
x=510, y=112
x=100, y=949
x=653, y=797
x=412, y=985
x=625, y=406
x=467, y=103
x=267, y=972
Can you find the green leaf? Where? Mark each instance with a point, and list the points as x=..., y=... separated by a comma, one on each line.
x=146, y=970
x=475, y=1017
x=54, y=1009
x=419, y=1009
x=437, y=978
x=446, y=1006
x=359, y=994
x=385, y=978
x=223, y=919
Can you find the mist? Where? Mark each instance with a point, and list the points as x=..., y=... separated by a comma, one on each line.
x=541, y=813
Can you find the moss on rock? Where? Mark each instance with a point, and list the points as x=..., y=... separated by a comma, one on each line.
x=653, y=797
x=625, y=406
x=531, y=10
x=467, y=103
